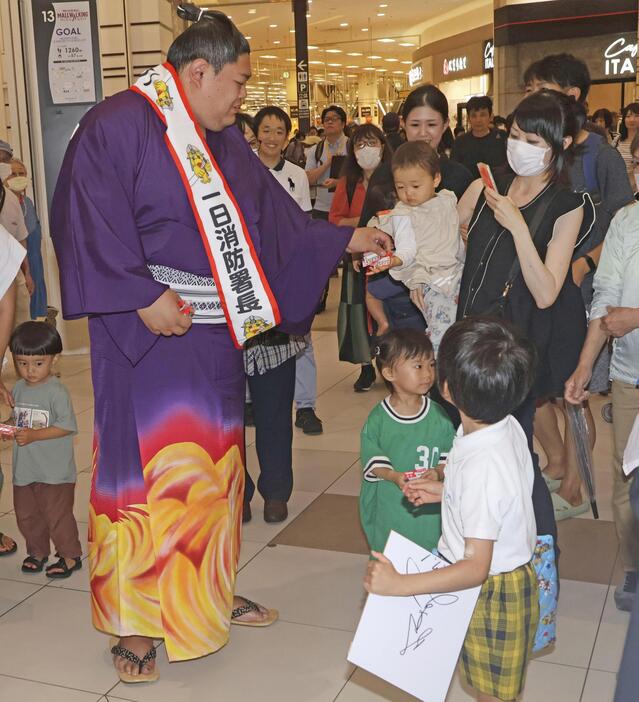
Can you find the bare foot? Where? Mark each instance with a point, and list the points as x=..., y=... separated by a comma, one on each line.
x=571, y=494
x=6, y=543
x=140, y=645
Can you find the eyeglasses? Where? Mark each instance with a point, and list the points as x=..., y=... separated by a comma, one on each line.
x=332, y=119
x=362, y=144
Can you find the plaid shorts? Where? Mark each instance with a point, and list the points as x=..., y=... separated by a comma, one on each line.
x=501, y=633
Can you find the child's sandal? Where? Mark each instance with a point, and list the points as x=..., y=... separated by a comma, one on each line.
x=37, y=563
x=65, y=571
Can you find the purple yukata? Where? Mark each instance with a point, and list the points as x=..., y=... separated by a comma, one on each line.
x=168, y=480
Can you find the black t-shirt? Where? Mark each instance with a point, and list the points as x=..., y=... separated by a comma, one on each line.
x=557, y=332
x=470, y=150
x=395, y=140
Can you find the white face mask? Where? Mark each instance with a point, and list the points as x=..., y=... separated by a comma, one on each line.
x=527, y=159
x=19, y=183
x=369, y=157
x=5, y=171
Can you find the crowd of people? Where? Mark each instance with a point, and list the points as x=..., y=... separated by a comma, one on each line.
x=483, y=275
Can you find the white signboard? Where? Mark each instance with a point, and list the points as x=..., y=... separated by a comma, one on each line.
x=415, y=75
x=413, y=642
x=71, y=77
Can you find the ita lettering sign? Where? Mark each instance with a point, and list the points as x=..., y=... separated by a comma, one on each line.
x=620, y=57
x=415, y=75
x=489, y=55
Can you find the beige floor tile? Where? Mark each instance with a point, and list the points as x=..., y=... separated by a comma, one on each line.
x=14, y=689
x=545, y=683
x=313, y=470
x=248, y=550
x=54, y=627
x=349, y=483
x=600, y=686
x=259, y=531
x=308, y=586
x=578, y=614
x=12, y=593
x=611, y=637
x=283, y=663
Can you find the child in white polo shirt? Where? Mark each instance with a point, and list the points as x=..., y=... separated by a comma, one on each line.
x=488, y=524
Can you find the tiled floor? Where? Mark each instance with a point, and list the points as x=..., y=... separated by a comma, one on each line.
x=308, y=568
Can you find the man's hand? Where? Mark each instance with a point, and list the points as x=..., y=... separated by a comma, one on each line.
x=381, y=577
x=164, y=316
x=620, y=321
x=423, y=491
x=24, y=437
x=367, y=239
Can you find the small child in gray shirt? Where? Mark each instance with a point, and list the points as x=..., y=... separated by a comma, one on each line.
x=44, y=471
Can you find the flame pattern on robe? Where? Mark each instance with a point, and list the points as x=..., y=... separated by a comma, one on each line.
x=166, y=569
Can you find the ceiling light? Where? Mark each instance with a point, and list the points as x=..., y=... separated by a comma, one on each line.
x=369, y=68
x=277, y=41
x=354, y=53
x=399, y=72
x=308, y=16
x=384, y=5
x=381, y=14
x=374, y=57
x=334, y=65
x=248, y=37
x=364, y=29
x=407, y=63
x=343, y=24
x=310, y=46
x=391, y=60
x=406, y=43
x=316, y=63
x=351, y=75
x=272, y=26
x=252, y=11
x=387, y=40
x=352, y=66
x=291, y=59
x=381, y=70
x=333, y=51
x=291, y=31
x=269, y=56
x=333, y=74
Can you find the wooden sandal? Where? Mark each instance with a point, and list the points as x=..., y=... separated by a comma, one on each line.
x=118, y=650
x=271, y=614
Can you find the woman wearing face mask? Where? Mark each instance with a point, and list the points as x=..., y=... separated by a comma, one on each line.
x=520, y=244
x=18, y=183
x=627, y=130
x=367, y=152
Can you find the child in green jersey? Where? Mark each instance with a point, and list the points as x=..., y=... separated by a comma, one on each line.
x=405, y=433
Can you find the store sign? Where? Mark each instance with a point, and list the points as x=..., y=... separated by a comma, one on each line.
x=489, y=55
x=366, y=112
x=454, y=65
x=620, y=58
x=415, y=75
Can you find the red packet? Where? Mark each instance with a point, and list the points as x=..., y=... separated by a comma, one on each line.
x=487, y=176
x=373, y=259
x=7, y=430
x=415, y=474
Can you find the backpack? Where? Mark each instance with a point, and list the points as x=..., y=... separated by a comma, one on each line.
x=295, y=153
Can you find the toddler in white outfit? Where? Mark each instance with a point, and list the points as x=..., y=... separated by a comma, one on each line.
x=429, y=251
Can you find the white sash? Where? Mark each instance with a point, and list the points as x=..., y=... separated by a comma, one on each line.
x=248, y=302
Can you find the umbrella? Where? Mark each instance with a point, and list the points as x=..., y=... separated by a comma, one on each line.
x=579, y=429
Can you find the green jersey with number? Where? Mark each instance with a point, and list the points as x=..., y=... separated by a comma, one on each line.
x=390, y=440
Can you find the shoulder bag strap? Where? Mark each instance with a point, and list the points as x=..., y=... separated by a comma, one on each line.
x=533, y=227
